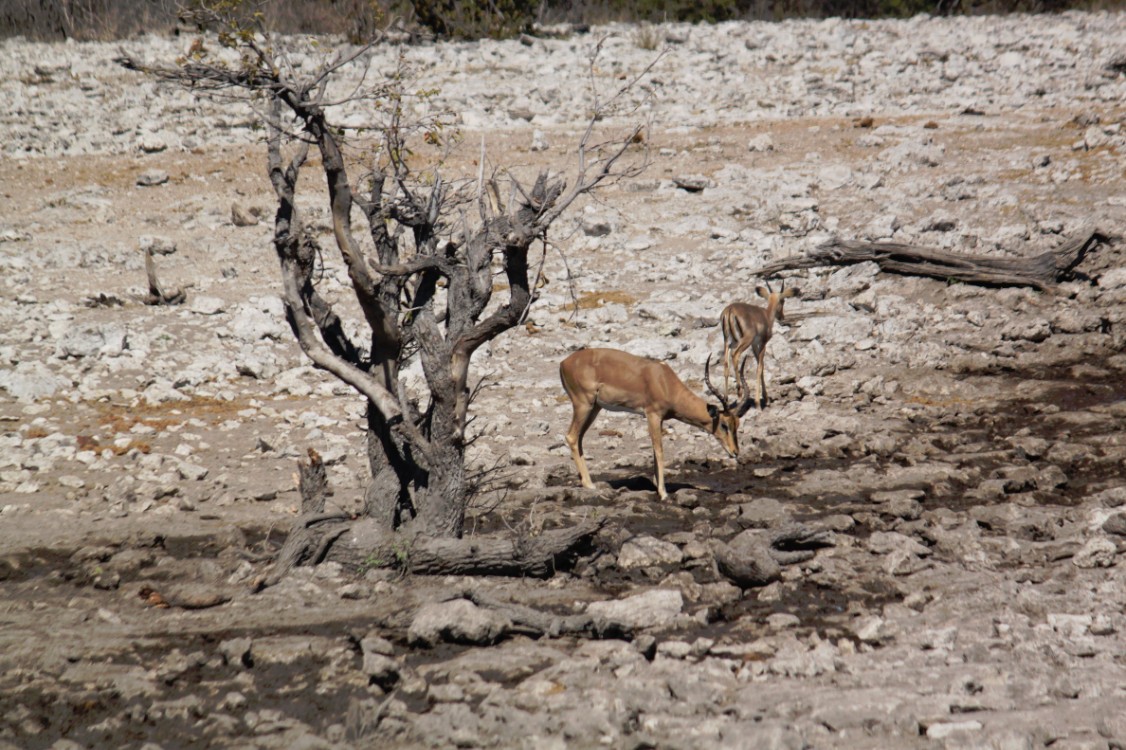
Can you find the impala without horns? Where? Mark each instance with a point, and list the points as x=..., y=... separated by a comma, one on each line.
x=597, y=379
x=749, y=326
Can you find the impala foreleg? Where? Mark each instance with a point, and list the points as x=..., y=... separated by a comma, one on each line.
x=658, y=453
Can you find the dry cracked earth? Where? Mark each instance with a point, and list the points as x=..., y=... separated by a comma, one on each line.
x=961, y=447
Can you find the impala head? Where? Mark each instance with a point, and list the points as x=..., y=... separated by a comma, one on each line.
x=777, y=299
x=726, y=416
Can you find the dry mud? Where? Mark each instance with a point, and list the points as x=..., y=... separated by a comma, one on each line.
x=963, y=445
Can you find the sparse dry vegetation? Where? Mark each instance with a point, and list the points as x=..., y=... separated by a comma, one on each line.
x=360, y=20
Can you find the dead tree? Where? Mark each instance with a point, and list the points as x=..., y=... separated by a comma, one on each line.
x=424, y=280
x=1038, y=271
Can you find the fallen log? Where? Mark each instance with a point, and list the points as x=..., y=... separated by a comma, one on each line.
x=1039, y=271
x=363, y=543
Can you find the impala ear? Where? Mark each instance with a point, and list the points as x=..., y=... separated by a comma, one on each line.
x=762, y=292
x=713, y=412
x=792, y=292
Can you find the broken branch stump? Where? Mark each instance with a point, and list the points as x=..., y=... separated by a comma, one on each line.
x=157, y=295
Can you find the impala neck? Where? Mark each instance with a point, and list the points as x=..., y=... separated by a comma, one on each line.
x=771, y=312
x=691, y=409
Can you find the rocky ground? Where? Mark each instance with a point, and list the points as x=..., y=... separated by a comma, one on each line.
x=962, y=446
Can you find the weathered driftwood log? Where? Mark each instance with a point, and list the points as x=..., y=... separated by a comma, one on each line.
x=157, y=295
x=755, y=557
x=1039, y=271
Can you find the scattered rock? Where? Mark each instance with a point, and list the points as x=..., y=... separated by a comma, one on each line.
x=381, y=670
x=237, y=652
x=650, y=609
x=692, y=183
x=762, y=513
x=31, y=381
x=204, y=305
x=242, y=217
x=761, y=142
x=456, y=621
x=152, y=178
x=647, y=551
x=1097, y=552
x=91, y=340
x=747, y=561
x=1115, y=524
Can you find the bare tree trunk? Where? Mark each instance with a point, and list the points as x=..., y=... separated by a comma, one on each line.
x=445, y=497
x=387, y=499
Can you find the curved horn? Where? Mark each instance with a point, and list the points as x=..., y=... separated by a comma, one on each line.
x=708, y=383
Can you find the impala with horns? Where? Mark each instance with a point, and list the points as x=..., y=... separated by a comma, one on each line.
x=597, y=379
x=750, y=327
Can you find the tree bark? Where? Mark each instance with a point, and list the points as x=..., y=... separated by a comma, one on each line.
x=313, y=484
x=1039, y=271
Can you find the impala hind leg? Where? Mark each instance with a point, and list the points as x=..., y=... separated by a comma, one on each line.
x=738, y=364
x=730, y=364
x=581, y=420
